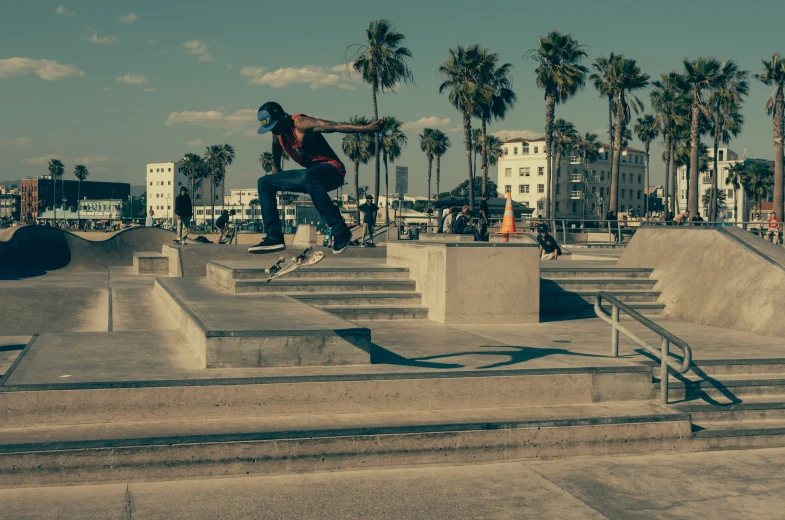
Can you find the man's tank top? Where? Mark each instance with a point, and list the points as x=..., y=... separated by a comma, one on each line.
x=317, y=151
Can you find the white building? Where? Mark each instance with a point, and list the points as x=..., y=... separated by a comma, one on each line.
x=163, y=183
x=522, y=172
x=725, y=159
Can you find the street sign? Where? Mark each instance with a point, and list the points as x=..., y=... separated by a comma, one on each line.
x=401, y=179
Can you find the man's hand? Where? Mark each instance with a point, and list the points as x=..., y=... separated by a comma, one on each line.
x=376, y=125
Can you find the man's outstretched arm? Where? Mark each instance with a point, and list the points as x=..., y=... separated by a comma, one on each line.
x=312, y=124
x=277, y=154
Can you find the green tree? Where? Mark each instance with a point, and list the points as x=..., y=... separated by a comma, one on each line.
x=601, y=79
x=465, y=87
x=561, y=75
x=733, y=179
x=476, y=148
x=428, y=145
x=626, y=77
x=564, y=139
x=647, y=129
x=56, y=169
x=192, y=166
x=706, y=200
x=381, y=62
x=392, y=141
x=81, y=173
x=725, y=117
x=265, y=160
x=495, y=107
x=671, y=109
x=463, y=189
x=588, y=149
x=254, y=204
x=494, y=146
x=774, y=75
x=758, y=181
x=441, y=147
x=359, y=148
x=216, y=158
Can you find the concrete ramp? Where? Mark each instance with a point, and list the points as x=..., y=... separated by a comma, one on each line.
x=720, y=277
x=36, y=250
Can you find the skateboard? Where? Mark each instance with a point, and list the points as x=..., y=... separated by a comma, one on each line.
x=229, y=236
x=304, y=259
x=181, y=241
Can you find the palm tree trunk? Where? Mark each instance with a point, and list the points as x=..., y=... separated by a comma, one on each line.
x=54, y=199
x=674, y=180
x=474, y=171
x=430, y=164
x=616, y=162
x=694, y=171
x=484, y=158
x=779, y=119
x=357, y=189
x=646, y=186
x=666, y=187
x=78, y=213
x=386, y=193
x=438, y=174
x=550, y=107
x=376, y=149
x=735, y=206
x=557, y=163
x=610, y=121
x=713, y=196
x=467, y=138
x=212, y=201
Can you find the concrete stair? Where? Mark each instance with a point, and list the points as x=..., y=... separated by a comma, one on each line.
x=567, y=291
x=351, y=293
x=151, y=263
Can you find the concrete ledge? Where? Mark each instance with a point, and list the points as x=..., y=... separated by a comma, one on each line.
x=151, y=263
x=225, y=331
x=445, y=237
x=305, y=235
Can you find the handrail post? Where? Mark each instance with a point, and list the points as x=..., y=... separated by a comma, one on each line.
x=664, y=370
x=615, y=332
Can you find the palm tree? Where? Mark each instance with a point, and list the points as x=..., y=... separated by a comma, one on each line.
x=392, y=141
x=774, y=74
x=212, y=169
x=626, y=77
x=706, y=200
x=428, y=145
x=441, y=144
x=359, y=148
x=381, y=62
x=735, y=175
x=670, y=106
x=254, y=204
x=758, y=182
x=266, y=161
x=565, y=137
x=228, y=156
x=647, y=129
x=56, y=169
x=725, y=117
x=700, y=76
x=81, y=173
x=589, y=151
x=601, y=79
x=476, y=148
x=502, y=99
x=561, y=75
x=466, y=89
x=192, y=168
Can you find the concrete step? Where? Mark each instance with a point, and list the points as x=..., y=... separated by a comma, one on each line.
x=330, y=273
x=750, y=409
x=725, y=367
x=284, y=285
x=726, y=390
x=550, y=272
x=551, y=294
x=151, y=263
x=359, y=390
x=377, y=312
x=739, y=435
x=585, y=309
x=260, y=444
x=359, y=299
x=598, y=284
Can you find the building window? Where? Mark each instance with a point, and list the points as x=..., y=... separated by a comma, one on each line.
x=622, y=208
x=508, y=172
x=573, y=207
x=557, y=206
x=523, y=172
x=606, y=156
x=639, y=194
x=623, y=177
x=541, y=170
x=507, y=189
x=523, y=188
x=170, y=170
x=170, y=182
x=684, y=175
x=721, y=154
x=525, y=148
x=602, y=175
x=602, y=192
x=622, y=193
x=505, y=150
x=541, y=188
x=151, y=183
x=640, y=179
x=515, y=150
x=536, y=150
x=683, y=194
x=168, y=207
x=179, y=183
x=730, y=194
x=558, y=186
x=151, y=170
x=540, y=205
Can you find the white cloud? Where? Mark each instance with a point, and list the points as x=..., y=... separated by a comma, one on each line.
x=133, y=79
x=63, y=11
x=149, y=89
x=196, y=143
x=315, y=77
x=237, y=121
x=15, y=142
x=199, y=49
x=96, y=162
x=428, y=122
x=106, y=89
x=128, y=18
x=49, y=70
x=103, y=40
x=506, y=135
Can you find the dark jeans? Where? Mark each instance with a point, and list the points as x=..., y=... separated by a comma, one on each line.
x=315, y=181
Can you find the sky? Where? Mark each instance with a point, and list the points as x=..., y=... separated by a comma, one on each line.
x=116, y=85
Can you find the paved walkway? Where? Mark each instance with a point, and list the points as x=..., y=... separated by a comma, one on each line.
x=717, y=485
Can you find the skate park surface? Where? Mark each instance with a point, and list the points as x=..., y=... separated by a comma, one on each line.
x=77, y=332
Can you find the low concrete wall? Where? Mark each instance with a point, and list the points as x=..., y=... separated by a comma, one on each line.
x=305, y=235
x=708, y=277
x=473, y=283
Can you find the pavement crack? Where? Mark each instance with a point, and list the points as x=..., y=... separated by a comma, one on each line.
x=556, y=486
x=129, y=505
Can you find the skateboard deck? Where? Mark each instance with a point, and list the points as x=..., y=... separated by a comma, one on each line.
x=304, y=259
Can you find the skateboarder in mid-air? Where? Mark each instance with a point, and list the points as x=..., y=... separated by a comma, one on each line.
x=301, y=137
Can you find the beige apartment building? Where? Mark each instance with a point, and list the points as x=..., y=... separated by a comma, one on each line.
x=581, y=191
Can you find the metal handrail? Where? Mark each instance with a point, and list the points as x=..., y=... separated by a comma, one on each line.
x=666, y=338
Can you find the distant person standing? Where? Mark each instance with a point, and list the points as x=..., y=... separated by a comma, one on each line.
x=184, y=211
x=549, y=249
x=369, y=210
x=613, y=224
x=149, y=221
x=775, y=229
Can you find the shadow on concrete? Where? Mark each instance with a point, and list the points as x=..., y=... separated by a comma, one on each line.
x=556, y=304
x=382, y=356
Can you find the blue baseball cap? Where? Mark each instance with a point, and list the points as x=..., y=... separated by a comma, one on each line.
x=268, y=115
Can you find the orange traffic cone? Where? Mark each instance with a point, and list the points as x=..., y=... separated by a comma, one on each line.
x=508, y=224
